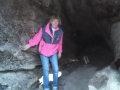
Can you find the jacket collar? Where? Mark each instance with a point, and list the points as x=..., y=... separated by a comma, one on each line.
x=47, y=29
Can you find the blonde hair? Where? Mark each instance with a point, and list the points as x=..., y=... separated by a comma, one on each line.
x=55, y=17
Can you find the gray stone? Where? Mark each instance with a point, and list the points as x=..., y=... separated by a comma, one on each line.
x=18, y=80
x=115, y=31
x=17, y=25
x=105, y=79
x=19, y=21
x=78, y=79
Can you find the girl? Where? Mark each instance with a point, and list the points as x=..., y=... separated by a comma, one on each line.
x=49, y=38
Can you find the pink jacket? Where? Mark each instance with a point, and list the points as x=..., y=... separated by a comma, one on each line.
x=45, y=48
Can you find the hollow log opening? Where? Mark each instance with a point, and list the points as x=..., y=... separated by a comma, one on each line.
x=91, y=42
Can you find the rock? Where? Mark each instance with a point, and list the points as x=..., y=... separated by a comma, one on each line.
x=117, y=63
x=108, y=9
x=3, y=87
x=78, y=79
x=18, y=80
x=115, y=39
x=20, y=20
x=91, y=87
x=105, y=79
x=18, y=23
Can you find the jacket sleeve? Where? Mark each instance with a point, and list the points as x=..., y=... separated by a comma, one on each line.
x=36, y=39
x=60, y=44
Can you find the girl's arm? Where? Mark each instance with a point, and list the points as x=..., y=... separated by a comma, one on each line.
x=34, y=41
x=60, y=47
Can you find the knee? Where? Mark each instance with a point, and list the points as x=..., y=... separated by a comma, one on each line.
x=45, y=70
x=56, y=70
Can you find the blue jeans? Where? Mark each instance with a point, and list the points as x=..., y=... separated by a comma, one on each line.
x=45, y=65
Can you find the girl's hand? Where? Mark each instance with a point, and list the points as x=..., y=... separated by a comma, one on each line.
x=26, y=47
x=59, y=55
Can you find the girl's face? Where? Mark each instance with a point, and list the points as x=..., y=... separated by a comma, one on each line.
x=55, y=23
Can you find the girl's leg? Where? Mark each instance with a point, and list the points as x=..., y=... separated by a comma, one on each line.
x=45, y=66
x=54, y=62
